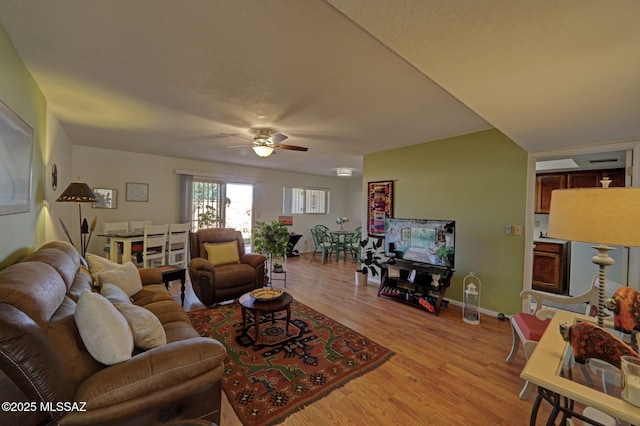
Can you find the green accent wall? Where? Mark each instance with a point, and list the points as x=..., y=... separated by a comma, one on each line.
x=23, y=232
x=480, y=181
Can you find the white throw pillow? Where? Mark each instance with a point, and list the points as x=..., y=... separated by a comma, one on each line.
x=146, y=327
x=97, y=265
x=114, y=294
x=124, y=276
x=103, y=329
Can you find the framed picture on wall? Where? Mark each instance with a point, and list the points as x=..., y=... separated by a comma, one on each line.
x=137, y=191
x=16, y=147
x=379, y=206
x=106, y=198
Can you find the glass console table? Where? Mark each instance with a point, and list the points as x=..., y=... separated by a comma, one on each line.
x=560, y=382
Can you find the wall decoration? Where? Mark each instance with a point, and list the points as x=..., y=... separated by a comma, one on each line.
x=54, y=177
x=286, y=220
x=16, y=147
x=137, y=191
x=379, y=206
x=107, y=198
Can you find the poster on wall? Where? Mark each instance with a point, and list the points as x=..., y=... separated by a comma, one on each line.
x=379, y=206
x=16, y=146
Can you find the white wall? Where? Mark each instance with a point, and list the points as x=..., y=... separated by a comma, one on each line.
x=102, y=168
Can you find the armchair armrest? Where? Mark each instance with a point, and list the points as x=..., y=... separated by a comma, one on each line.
x=253, y=259
x=167, y=366
x=540, y=297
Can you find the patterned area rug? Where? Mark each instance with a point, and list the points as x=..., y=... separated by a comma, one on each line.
x=267, y=382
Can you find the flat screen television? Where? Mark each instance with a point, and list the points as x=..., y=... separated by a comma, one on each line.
x=426, y=241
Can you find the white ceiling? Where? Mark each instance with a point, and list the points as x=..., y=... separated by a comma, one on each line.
x=343, y=77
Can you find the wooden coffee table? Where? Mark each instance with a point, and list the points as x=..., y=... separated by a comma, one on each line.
x=259, y=308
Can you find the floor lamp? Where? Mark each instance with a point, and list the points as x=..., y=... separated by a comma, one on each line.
x=603, y=216
x=80, y=193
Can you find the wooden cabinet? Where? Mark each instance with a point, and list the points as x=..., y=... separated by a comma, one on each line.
x=547, y=182
x=586, y=179
x=550, y=267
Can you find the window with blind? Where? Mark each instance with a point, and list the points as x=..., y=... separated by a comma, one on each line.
x=300, y=200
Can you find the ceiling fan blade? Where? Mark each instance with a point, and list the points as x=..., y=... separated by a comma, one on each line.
x=235, y=135
x=278, y=137
x=292, y=147
x=238, y=146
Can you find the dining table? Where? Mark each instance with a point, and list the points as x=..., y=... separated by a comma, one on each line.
x=127, y=239
x=340, y=237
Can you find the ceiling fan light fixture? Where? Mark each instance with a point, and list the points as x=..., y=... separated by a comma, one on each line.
x=263, y=150
x=344, y=171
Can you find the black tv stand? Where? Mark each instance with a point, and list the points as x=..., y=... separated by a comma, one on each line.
x=414, y=282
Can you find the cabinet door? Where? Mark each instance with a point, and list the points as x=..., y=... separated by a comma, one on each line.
x=545, y=183
x=587, y=179
x=547, y=272
x=617, y=177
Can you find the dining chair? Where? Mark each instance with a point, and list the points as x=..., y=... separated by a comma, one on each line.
x=154, y=244
x=321, y=242
x=528, y=328
x=322, y=227
x=138, y=225
x=136, y=247
x=112, y=228
x=351, y=243
x=178, y=243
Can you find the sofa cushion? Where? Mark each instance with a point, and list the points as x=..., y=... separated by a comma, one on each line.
x=97, y=265
x=223, y=253
x=145, y=326
x=103, y=329
x=114, y=294
x=124, y=276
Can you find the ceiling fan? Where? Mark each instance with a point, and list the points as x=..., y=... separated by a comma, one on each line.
x=265, y=142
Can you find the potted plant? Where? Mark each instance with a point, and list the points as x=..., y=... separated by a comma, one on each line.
x=369, y=260
x=271, y=239
x=341, y=221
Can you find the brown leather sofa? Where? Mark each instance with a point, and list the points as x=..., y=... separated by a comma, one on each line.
x=215, y=284
x=48, y=374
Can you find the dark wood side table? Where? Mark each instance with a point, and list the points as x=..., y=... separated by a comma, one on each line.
x=259, y=308
x=172, y=273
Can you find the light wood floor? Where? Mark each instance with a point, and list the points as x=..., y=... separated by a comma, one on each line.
x=444, y=372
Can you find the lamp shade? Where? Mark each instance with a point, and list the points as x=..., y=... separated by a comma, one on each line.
x=78, y=192
x=263, y=150
x=596, y=215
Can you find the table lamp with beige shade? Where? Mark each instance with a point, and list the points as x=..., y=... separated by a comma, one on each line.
x=603, y=216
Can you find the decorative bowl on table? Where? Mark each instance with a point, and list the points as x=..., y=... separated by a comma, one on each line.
x=265, y=294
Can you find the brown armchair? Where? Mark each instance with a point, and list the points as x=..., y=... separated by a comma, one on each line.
x=214, y=284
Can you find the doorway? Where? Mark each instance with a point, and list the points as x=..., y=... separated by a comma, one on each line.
x=579, y=268
x=239, y=210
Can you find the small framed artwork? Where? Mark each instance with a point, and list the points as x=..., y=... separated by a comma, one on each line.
x=137, y=191
x=379, y=206
x=286, y=220
x=106, y=198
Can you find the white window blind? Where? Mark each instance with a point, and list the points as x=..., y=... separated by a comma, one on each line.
x=298, y=200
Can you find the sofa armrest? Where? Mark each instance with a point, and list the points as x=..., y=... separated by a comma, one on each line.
x=253, y=259
x=162, y=367
x=150, y=276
